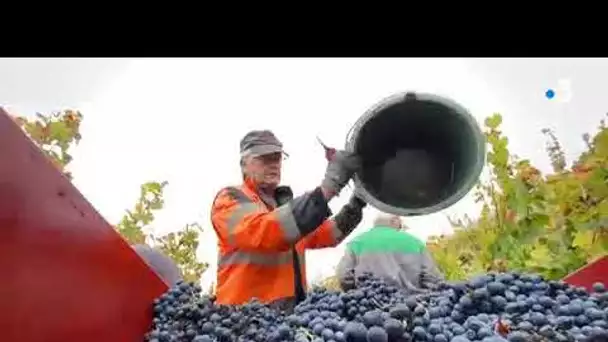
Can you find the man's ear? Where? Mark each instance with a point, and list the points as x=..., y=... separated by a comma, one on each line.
x=283, y=194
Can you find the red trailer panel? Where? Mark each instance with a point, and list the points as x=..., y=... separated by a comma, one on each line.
x=67, y=275
x=593, y=272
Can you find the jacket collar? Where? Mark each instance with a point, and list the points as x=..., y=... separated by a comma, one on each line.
x=252, y=188
x=250, y=185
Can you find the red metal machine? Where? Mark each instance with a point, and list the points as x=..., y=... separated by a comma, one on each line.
x=593, y=272
x=67, y=275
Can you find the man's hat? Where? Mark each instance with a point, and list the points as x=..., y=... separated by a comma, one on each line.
x=260, y=142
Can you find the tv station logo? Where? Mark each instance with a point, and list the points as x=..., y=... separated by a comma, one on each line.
x=561, y=92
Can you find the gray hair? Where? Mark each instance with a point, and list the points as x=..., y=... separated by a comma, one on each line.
x=388, y=220
x=242, y=162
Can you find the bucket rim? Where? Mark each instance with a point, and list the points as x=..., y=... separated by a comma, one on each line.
x=400, y=97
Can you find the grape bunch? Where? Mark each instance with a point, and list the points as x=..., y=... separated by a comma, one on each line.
x=488, y=308
x=183, y=314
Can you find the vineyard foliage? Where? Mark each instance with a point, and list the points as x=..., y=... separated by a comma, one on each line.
x=57, y=132
x=54, y=134
x=550, y=224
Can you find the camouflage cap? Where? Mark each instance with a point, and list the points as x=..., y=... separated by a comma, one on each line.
x=260, y=142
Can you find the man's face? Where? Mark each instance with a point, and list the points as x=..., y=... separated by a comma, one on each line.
x=265, y=170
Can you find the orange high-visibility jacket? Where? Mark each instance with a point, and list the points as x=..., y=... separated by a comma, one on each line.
x=258, y=243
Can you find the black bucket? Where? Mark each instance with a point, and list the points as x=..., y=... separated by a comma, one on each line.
x=421, y=153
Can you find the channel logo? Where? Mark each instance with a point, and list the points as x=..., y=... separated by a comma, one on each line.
x=561, y=92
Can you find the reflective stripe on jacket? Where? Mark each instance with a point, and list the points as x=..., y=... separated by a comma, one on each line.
x=256, y=242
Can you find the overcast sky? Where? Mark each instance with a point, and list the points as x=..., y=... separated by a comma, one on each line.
x=180, y=120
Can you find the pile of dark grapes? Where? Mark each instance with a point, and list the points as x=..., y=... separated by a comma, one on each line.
x=489, y=308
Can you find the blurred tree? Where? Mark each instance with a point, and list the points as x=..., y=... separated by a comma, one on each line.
x=54, y=133
x=550, y=224
x=134, y=222
x=181, y=246
x=57, y=132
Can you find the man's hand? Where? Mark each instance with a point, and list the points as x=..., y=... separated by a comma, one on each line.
x=340, y=169
x=350, y=215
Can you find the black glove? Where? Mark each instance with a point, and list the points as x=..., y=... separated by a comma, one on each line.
x=350, y=215
x=340, y=170
x=355, y=202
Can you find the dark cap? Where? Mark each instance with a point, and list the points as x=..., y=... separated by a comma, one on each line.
x=261, y=142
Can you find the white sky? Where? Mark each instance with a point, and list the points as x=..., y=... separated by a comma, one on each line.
x=181, y=120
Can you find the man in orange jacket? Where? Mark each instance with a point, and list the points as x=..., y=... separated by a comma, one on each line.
x=263, y=231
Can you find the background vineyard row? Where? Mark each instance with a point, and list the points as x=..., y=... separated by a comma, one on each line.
x=550, y=223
